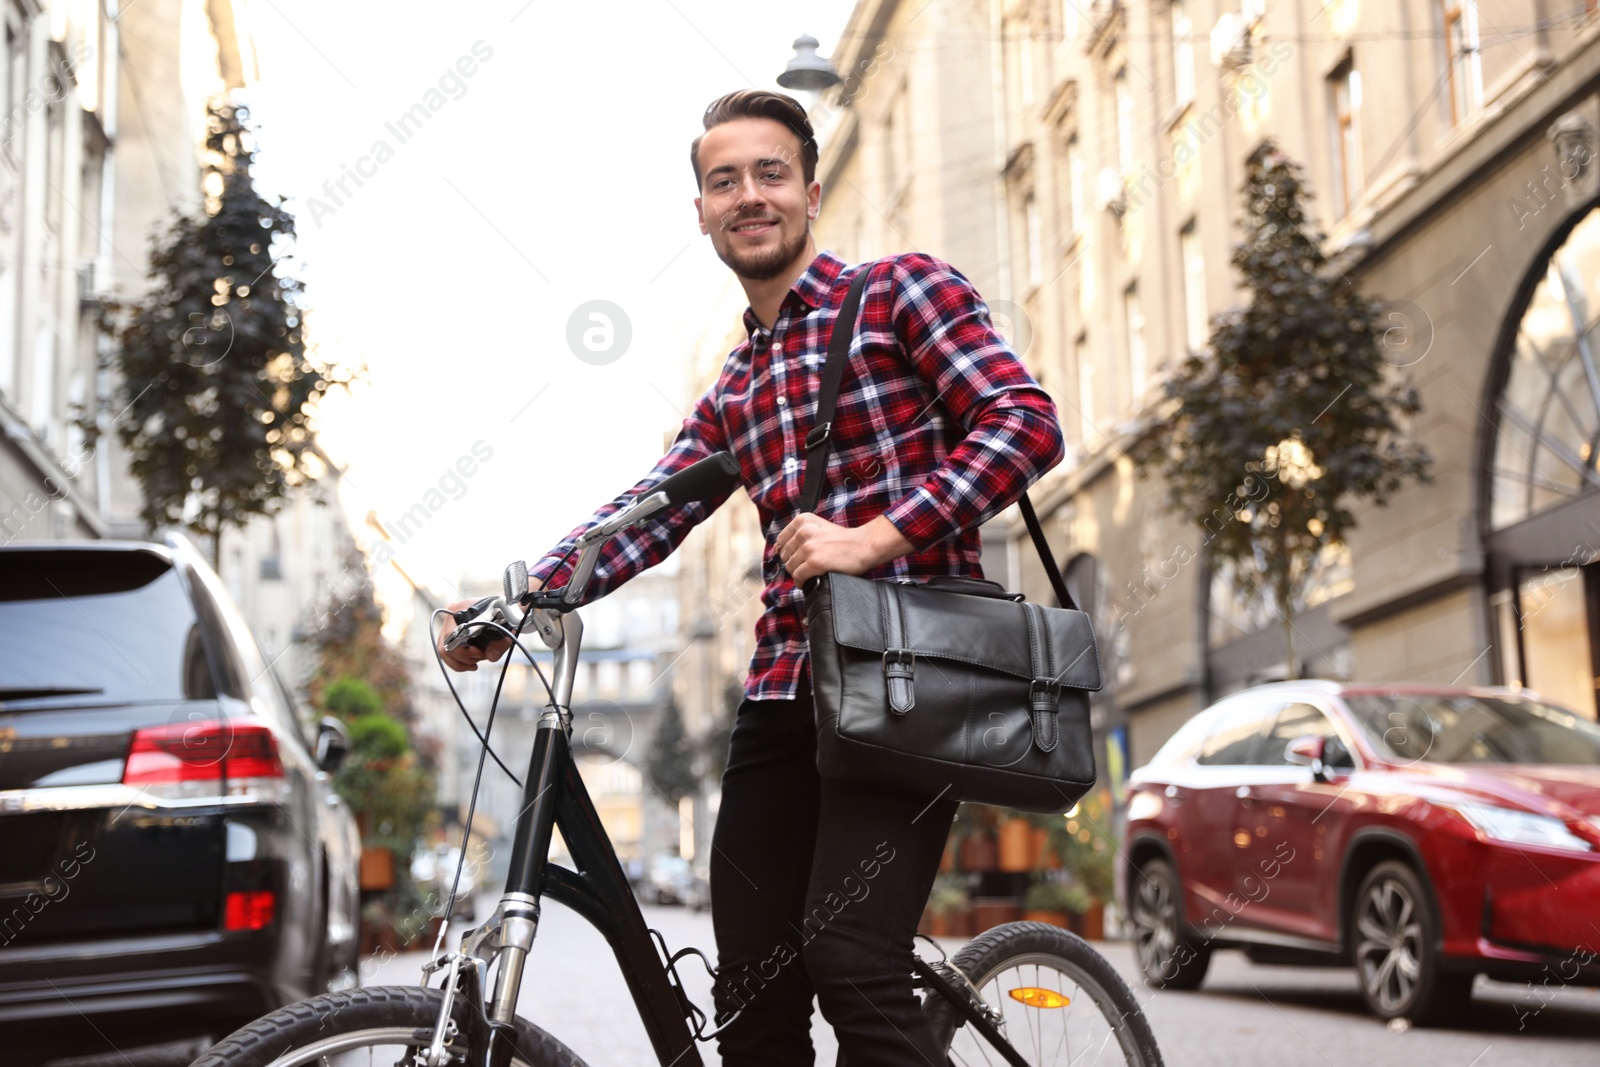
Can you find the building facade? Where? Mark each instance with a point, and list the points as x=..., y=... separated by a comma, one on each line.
x=1081, y=162
x=101, y=113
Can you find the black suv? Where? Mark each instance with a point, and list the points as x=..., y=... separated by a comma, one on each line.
x=173, y=861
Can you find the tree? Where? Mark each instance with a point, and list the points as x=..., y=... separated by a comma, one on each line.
x=1293, y=415
x=214, y=385
x=669, y=766
x=349, y=644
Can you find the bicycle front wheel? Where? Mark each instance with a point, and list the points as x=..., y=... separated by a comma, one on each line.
x=381, y=1025
x=1056, y=1000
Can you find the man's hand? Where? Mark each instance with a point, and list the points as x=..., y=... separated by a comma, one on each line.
x=467, y=658
x=810, y=546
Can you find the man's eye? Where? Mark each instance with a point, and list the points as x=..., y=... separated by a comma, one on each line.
x=771, y=176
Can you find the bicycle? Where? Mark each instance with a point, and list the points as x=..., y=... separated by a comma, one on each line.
x=992, y=996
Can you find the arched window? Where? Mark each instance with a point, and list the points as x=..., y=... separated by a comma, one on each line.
x=1548, y=413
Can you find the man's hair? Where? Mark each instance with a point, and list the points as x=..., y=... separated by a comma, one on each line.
x=761, y=104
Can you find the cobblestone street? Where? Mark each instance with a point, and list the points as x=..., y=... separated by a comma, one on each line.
x=1244, y=1015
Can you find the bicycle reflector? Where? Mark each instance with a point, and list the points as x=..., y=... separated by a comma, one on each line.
x=185, y=760
x=1034, y=997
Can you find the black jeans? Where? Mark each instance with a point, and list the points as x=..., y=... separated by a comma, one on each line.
x=816, y=888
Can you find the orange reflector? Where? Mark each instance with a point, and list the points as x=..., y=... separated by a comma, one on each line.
x=1034, y=997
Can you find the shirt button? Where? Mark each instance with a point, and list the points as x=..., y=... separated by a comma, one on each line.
x=790, y=465
x=782, y=400
x=777, y=349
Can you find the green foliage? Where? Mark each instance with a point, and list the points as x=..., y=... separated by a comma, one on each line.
x=378, y=737
x=351, y=698
x=1080, y=839
x=1294, y=414
x=951, y=892
x=349, y=643
x=214, y=385
x=669, y=765
x=1049, y=894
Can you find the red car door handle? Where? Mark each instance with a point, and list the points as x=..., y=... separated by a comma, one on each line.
x=1246, y=798
x=1174, y=795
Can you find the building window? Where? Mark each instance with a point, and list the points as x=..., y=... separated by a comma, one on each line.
x=1344, y=98
x=1182, y=53
x=1035, y=229
x=1123, y=96
x=1085, y=388
x=1133, y=320
x=1077, y=211
x=1463, y=60
x=1196, y=322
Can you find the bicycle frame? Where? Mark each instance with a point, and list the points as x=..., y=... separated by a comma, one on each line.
x=554, y=796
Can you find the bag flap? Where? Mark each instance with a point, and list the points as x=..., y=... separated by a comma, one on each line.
x=984, y=631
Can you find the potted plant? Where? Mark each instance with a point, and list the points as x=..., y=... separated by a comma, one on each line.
x=1016, y=853
x=1051, y=901
x=949, y=906
x=977, y=848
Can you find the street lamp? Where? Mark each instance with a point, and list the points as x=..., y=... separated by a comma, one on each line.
x=807, y=70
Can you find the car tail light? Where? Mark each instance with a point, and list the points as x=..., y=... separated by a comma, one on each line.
x=205, y=759
x=250, y=910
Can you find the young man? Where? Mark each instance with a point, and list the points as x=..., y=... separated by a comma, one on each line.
x=817, y=885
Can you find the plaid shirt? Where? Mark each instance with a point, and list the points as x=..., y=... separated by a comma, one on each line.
x=924, y=353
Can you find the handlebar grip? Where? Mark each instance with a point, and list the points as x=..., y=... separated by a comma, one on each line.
x=713, y=476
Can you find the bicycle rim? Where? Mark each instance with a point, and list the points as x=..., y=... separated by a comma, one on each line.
x=1025, y=992
x=384, y=1046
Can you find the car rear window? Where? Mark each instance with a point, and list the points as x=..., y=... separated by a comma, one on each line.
x=93, y=627
x=1474, y=729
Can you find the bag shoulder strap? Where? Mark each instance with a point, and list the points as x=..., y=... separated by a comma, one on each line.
x=820, y=440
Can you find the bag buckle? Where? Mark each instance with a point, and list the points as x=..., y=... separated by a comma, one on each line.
x=1044, y=694
x=903, y=664
x=819, y=434
x=899, y=669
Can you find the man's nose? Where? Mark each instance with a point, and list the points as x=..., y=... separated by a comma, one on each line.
x=750, y=190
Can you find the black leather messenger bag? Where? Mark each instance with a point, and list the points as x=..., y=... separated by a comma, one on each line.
x=951, y=687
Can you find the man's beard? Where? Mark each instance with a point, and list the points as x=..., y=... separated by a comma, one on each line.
x=761, y=266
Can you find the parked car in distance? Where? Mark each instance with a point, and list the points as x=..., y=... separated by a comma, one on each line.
x=435, y=870
x=670, y=879
x=173, y=859
x=1423, y=835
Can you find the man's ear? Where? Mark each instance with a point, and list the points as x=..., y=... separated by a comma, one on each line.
x=813, y=200
x=700, y=212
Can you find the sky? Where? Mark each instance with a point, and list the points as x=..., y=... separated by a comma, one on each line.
x=458, y=257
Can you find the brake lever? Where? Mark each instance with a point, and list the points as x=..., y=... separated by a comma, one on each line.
x=485, y=610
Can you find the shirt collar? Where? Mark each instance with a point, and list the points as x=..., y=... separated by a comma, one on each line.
x=812, y=288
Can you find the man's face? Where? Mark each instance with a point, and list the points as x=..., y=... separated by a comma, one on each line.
x=755, y=203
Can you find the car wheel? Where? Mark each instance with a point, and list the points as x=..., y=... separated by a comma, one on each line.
x=1167, y=959
x=1395, y=932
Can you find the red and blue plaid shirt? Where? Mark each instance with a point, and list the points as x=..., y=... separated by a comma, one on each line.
x=924, y=354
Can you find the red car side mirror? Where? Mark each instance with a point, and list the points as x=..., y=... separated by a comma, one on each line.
x=1308, y=751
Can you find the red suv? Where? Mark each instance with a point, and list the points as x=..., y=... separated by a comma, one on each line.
x=1424, y=835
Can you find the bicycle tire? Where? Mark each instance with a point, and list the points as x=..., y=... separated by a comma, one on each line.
x=398, y=1017
x=1032, y=947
